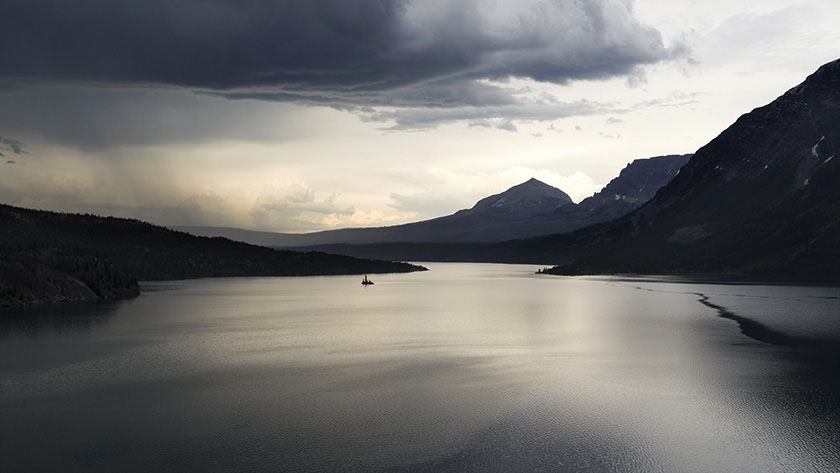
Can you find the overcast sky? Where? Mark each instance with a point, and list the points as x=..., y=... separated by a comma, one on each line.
x=309, y=115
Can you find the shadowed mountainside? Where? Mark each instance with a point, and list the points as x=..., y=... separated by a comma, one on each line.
x=56, y=257
x=763, y=199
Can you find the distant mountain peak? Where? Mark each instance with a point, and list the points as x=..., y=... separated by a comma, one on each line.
x=532, y=197
x=534, y=184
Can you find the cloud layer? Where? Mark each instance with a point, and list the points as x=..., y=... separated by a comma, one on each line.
x=432, y=53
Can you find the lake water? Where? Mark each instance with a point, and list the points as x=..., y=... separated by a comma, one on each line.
x=467, y=367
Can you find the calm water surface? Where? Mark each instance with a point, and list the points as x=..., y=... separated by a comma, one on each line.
x=466, y=367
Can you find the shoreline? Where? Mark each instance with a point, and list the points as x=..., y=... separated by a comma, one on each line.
x=706, y=278
x=86, y=296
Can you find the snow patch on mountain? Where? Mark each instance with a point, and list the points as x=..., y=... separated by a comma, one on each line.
x=814, y=151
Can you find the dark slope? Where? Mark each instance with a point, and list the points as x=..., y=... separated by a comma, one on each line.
x=762, y=199
x=636, y=184
x=529, y=209
x=529, y=199
x=55, y=257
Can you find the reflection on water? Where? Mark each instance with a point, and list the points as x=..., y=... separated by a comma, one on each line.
x=466, y=367
x=55, y=319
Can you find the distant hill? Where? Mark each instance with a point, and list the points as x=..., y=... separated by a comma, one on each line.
x=761, y=199
x=56, y=257
x=530, y=199
x=529, y=209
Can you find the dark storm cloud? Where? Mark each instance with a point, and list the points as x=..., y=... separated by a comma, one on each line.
x=437, y=94
x=92, y=118
x=198, y=43
x=329, y=51
x=485, y=117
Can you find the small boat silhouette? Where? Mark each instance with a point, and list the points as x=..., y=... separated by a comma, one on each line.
x=366, y=281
